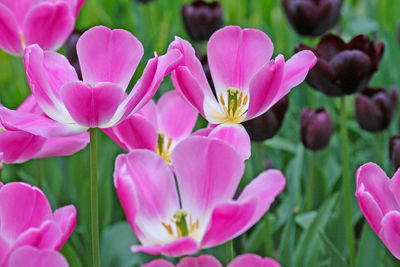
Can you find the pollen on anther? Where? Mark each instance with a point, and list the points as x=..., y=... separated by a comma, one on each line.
x=245, y=100
x=222, y=99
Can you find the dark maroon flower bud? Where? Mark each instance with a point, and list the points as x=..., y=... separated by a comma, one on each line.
x=375, y=108
x=343, y=68
x=267, y=125
x=201, y=19
x=312, y=17
x=316, y=128
x=71, y=54
x=394, y=151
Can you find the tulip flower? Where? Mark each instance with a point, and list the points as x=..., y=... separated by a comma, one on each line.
x=108, y=60
x=28, y=256
x=378, y=198
x=204, y=214
x=27, y=220
x=47, y=23
x=70, y=51
x=316, y=128
x=312, y=17
x=394, y=151
x=201, y=19
x=375, y=108
x=20, y=146
x=343, y=68
x=210, y=261
x=247, y=83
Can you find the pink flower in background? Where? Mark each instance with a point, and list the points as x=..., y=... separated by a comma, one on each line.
x=47, y=23
x=247, y=83
x=20, y=146
x=204, y=214
x=108, y=60
x=379, y=201
x=29, y=256
x=250, y=260
x=157, y=127
x=26, y=219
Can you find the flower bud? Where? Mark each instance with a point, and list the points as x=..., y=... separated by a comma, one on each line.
x=316, y=128
x=201, y=19
x=268, y=124
x=71, y=54
x=375, y=108
x=394, y=151
x=343, y=68
x=312, y=17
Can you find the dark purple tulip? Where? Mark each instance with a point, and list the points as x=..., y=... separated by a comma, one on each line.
x=394, y=151
x=267, y=125
x=312, y=17
x=375, y=108
x=70, y=47
x=316, y=128
x=201, y=19
x=343, y=68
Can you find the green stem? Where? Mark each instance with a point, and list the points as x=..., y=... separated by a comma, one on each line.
x=346, y=183
x=380, y=145
x=39, y=173
x=94, y=198
x=229, y=251
x=310, y=185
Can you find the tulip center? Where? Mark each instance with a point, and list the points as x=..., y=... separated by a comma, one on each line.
x=235, y=105
x=164, y=150
x=183, y=227
x=21, y=37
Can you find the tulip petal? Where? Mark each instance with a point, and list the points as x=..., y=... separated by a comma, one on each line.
x=370, y=209
x=28, y=256
x=19, y=9
x=175, y=117
x=236, y=136
x=254, y=261
x=149, y=112
x=235, y=55
x=91, y=106
x=30, y=105
x=63, y=146
x=49, y=24
x=108, y=55
x=159, y=263
x=395, y=186
x=390, y=232
x=47, y=72
x=208, y=172
x=66, y=219
x=200, y=261
x=147, y=191
x=19, y=146
x=180, y=247
x=9, y=38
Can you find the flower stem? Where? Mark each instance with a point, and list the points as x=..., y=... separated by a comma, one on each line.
x=229, y=251
x=39, y=173
x=94, y=198
x=346, y=183
x=310, y=185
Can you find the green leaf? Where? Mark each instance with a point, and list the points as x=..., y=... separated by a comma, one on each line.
x=335, y=253
x=369, y=242
x=71, y=256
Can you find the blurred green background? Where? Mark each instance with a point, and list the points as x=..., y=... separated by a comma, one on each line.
x=301, y=239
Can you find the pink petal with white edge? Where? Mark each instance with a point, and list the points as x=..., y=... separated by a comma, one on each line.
x=235, y=55
x=4, y=249
x=91, y=106
x=159, y=263
x=370, y=209
x=31, y=257
x=21, y=207
x=208, y=172
x=395, y=187
x=108, y=55
x=147, y=191
x=236, y=136
x=19, y=9
x=200, y=261
x=63, y=146
x=231, y=219
x=265, y=86
x=9, y=38
x=175, y=117
x=66, y=219
x=47, y=72
x=36, y=124
x=254, y=261
x=30, y=105
x=390, y=233
x=49, y=25
x=180, y=247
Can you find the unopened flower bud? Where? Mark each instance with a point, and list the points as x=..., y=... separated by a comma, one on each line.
x=394, y=151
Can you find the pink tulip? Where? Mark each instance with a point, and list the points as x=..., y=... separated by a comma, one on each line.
x=210, y=261
x=247, y=82
x=379, y=201
x=108, y=60
x=20, y=146
x=208, y=172
x=26, y=219
x=28, y=256
x=47, y=23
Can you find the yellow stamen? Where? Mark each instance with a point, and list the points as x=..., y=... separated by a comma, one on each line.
x=235, y=112
x=245, y=100
x=222, y=99
x=182, y=228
